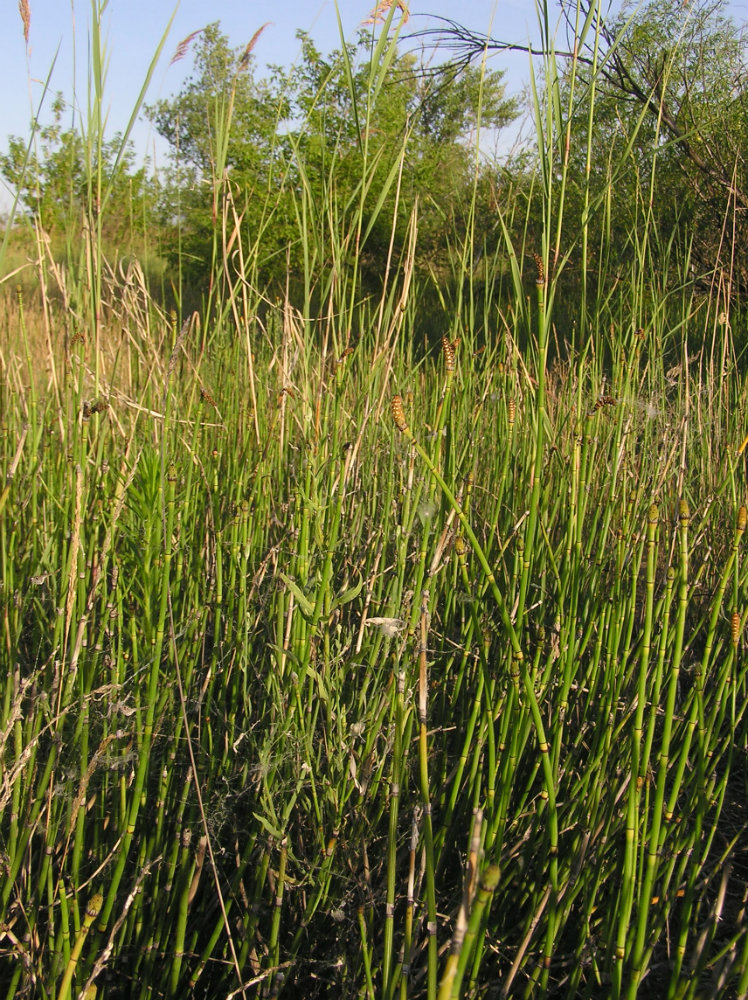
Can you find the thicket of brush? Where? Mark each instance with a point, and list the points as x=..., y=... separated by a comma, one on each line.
x=339, y=664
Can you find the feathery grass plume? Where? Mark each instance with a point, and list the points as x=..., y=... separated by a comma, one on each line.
x=244, y=61
x=25, y=11
x=181, y=50
x=379, y=14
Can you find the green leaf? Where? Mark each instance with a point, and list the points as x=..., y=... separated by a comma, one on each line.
x=348, y=595
x=265, y=824
x=307, y=607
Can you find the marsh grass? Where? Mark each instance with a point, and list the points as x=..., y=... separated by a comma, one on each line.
x=301, y=699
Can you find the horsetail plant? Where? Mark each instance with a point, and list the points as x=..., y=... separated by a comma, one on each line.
x=419, y=714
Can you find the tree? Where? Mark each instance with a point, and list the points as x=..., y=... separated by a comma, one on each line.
x=223, y=130
x=325, y=129
x=427, y=116
x=52, y=182
x=679, y=71
x=671, y=98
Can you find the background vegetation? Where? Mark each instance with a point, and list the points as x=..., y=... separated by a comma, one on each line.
x=371, y=537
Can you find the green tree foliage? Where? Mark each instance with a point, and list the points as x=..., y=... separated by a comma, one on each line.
x=671, y=128
x=667, y=86
x=430, y=117
x=222, y=128
x=52, y=180
x=325, y=132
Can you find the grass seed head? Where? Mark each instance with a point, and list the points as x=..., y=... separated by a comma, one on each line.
x=97, y=406
x=602, y=401
x=244, y=61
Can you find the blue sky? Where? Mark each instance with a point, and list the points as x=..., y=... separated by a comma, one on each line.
x=133, y=29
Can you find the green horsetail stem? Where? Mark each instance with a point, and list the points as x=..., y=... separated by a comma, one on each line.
x=660, y=810
x=407, y=945
x=93, y=908
x=144, y=760
x=292, y=704
x=428, y=829
x=187, y=868
x=519, y=668
x=540, y=431
x=280, y=887
x=365, y=954
x=730, y=570
x=486, y=888
x=388, y=982
x=638, y=771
